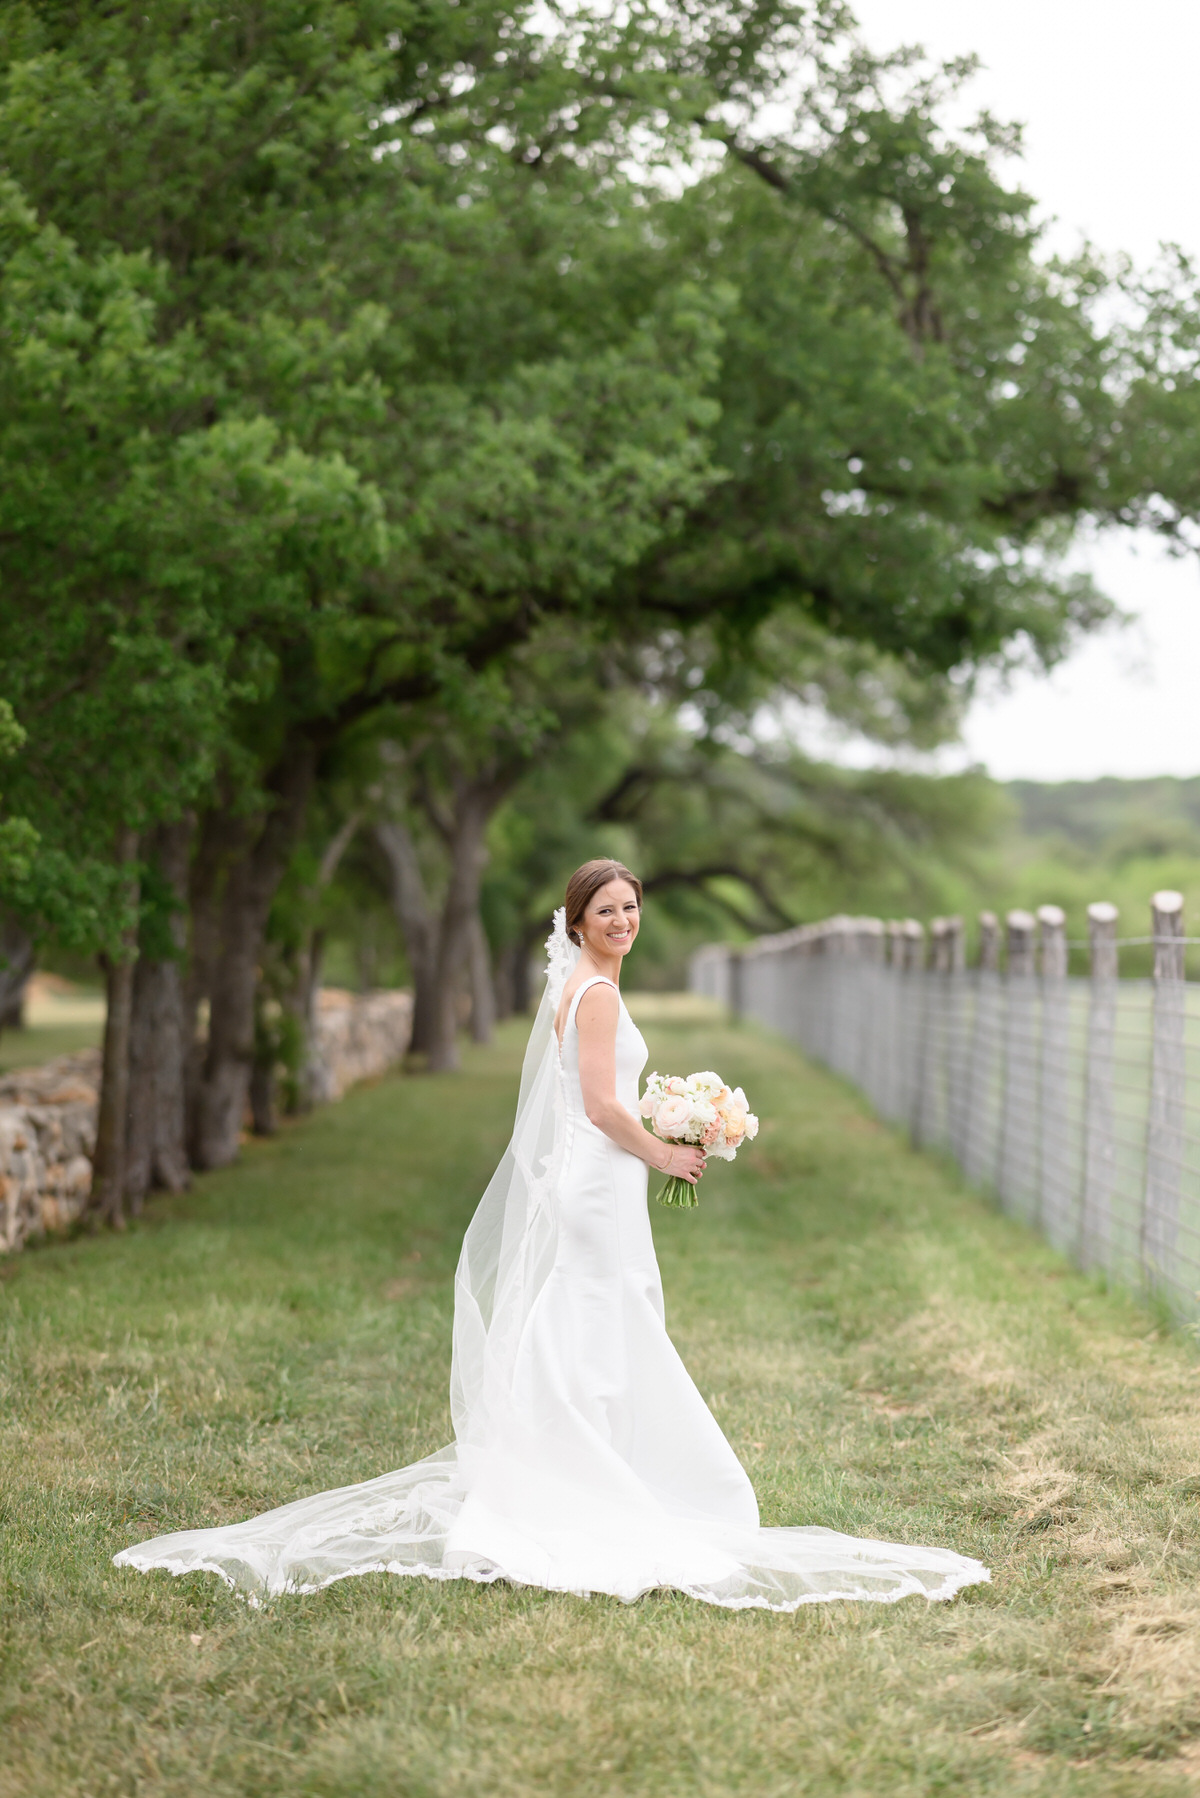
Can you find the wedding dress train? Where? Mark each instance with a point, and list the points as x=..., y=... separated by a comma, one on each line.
x=585, y=1459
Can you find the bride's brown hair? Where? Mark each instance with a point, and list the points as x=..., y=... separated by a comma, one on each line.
x=586, y=882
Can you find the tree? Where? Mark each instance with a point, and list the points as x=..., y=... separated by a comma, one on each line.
x=136, y=546
x=409, y=358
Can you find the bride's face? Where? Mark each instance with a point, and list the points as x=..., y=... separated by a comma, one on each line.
x=611, y=920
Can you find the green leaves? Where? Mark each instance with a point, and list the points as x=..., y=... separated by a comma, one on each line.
x=345, y=348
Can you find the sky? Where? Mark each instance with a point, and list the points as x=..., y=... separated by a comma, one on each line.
x=1106, y=93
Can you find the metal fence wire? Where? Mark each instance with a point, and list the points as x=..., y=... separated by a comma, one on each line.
x=1076, y=1102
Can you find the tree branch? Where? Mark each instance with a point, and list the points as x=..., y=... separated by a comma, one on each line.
x=699, y=877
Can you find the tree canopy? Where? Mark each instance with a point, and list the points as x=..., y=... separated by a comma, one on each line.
x=386, y=389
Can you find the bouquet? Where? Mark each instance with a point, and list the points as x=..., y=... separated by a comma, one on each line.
x=700, y=1110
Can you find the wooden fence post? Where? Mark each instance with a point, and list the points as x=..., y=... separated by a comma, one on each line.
x=981, y=1152
x=912, y=1036
x=737, y=994
x=1018, y=1159
x=932, y=1103
x=871, y=1004
x=1055, y=1193
x=989, y=942
x=1021, y=951
x=956, y=1041
x=1164, y=1138
x=1099, y=1127
x=890, y=983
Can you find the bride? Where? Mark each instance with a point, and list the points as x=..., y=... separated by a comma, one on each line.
x=584, y=1458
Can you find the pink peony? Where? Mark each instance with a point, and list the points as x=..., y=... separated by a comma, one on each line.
x=673, y=1116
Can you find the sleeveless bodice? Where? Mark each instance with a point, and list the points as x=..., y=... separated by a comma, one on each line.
x=631, y=1056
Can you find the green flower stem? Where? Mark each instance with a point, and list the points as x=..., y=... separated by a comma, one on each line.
x=678, y=1192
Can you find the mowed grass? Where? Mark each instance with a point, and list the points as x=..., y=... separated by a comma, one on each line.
x=888, y=1356
x=37, y=1043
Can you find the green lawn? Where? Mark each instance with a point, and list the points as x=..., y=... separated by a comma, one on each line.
x=887, y=1355
x=37, y=1043
x=62, y=1019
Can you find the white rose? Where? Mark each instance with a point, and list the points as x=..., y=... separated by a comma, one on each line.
x=709, y=1084
x=751, y=1126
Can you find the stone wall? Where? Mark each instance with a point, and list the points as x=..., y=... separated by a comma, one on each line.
x=47, y=1134
x=356, y=1037
x=48, y=1114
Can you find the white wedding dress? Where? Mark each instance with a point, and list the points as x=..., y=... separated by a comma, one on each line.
x=585, y=1460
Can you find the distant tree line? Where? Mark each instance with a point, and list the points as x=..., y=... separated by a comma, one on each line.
x=433, y=439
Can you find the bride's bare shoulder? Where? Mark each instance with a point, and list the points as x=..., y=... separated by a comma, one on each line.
x=590, y=1008
x=599, y=1006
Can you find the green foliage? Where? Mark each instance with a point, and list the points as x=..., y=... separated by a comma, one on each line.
x=150, y=565
x=18, y=838
x=346, y=351
x=731, y=835
x=914, y=410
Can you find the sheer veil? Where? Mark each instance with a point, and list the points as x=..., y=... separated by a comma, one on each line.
x=511, y=1242
x=404, y=1521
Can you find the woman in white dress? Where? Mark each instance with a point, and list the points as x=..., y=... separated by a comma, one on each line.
x=584, y=1459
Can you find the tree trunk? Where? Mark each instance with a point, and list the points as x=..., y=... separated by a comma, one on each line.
x=139, y=1111
x=475, y=801
x=416, y=925
x=483, y=997
x=156, y=1141
x=285, y=1004
x=305, y=998
x=522, y=976
x=250, y=885
x=108, y=1161
x=262, y=1072
x=16, y=965
x=503, y=982
x=221, y=838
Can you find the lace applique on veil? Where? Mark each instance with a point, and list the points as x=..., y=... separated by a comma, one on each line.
x=561, y=957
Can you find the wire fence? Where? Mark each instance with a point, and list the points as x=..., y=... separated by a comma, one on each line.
x=1076, y=1102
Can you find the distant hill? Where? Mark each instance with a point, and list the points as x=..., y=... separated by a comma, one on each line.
x=1111, y=821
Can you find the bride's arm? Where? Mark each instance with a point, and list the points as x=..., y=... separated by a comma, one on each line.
x=596, y=1020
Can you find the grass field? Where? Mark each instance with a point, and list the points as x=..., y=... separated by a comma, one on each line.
x=62, y=1019
x=887, y=1355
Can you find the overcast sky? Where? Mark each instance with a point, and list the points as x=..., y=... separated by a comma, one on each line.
x=1107, y=95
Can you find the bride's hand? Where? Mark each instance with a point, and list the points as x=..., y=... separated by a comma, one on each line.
x=684, y=1161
